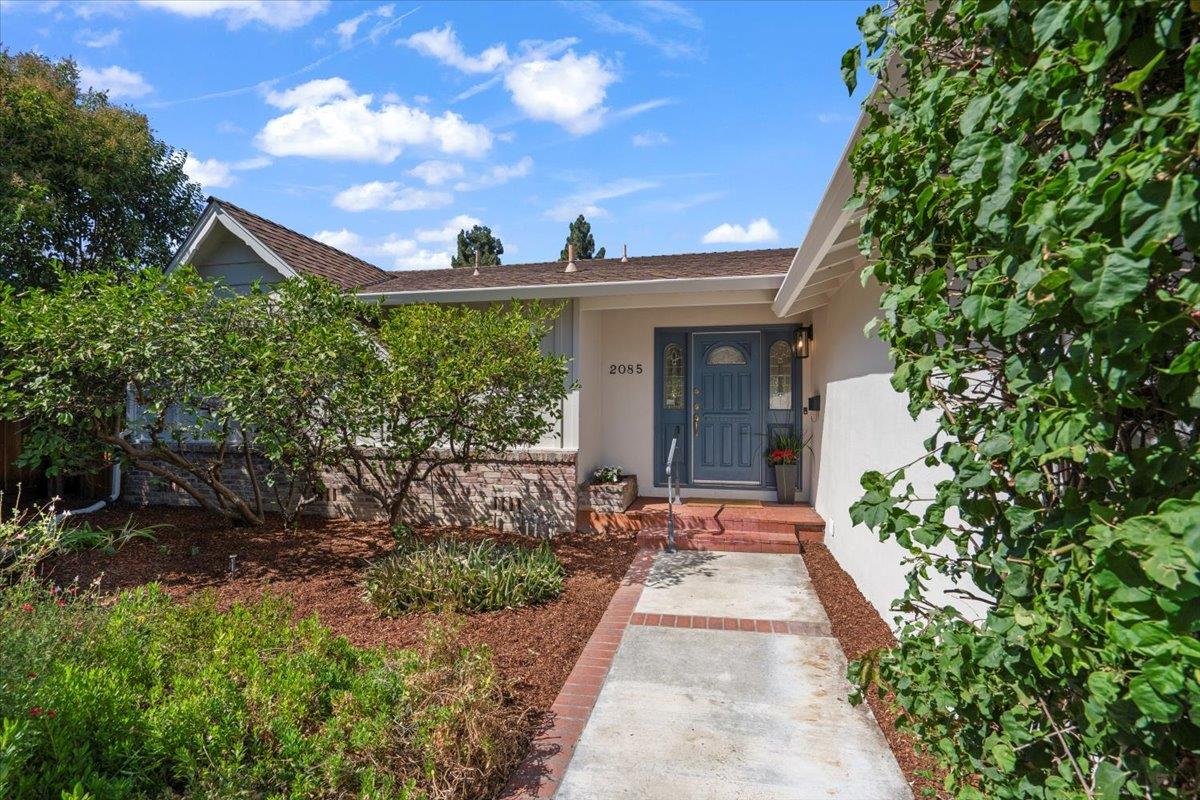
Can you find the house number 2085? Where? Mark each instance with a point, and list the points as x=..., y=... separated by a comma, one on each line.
x=624, y=369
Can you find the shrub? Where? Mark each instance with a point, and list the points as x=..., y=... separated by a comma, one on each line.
x=1032, y=196
x=448, y=575
x=153, y=698
x=27, y=537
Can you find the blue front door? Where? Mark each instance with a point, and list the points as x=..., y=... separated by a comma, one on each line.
x=726, y=407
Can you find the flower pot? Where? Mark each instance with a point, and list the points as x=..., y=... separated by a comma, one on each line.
x=785, y=482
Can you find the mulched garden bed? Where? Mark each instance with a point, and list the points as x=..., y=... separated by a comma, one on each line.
x=860, y=629
x=320, y=568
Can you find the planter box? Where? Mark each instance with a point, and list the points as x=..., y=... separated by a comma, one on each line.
x=609, y=498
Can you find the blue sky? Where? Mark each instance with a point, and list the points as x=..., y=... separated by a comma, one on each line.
x=383, y=128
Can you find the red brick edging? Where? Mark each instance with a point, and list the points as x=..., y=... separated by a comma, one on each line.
x=782, y=626
x=552, y=747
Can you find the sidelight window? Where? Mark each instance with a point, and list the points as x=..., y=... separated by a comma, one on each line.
x=673, y=377
x=780, y=376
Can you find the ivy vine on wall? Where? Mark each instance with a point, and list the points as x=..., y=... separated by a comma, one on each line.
x=1029, y=179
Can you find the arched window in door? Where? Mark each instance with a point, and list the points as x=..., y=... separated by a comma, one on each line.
x=672, y=377
x=726, y=355
x=779, y=381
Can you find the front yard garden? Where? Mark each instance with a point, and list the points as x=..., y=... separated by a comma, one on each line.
x=221, y=661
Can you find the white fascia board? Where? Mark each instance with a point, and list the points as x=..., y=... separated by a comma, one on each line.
x=826, y=227
x=678, y=300
x=562, y=290
x=213, y=215
x=195, y=237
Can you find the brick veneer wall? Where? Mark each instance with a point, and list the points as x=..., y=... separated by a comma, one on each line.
x=529, y=491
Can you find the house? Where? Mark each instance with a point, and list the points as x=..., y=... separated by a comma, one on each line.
x=714, y=351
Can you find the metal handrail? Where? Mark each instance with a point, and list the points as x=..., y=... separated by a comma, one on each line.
x=671, y=498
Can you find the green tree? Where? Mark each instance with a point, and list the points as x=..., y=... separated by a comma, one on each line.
x=580, y=235
x=255, y=379
x=83, y=184
x=452, y=385
x=303, y=344
x=1033, y=197
x=481, y=240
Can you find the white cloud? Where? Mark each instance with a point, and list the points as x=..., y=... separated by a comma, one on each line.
x=641, y=108
x=449, y=231
x=212, y=173
x=117, y=81
x=672, y=12
x=278, y=14
x=678, y=204
x=443, y=44
x=568, y=91
x=650, y=139
x=90, y=38
x=327, y=120
x=435, y=173
x=209, y=173
x=313, y=93
x=497, y=175
x=759, y=230
x=829, y=117
x=603, y=20
x=586, y=201
x=391, y=196
x=229, y=126
x=342, y=240
x=347, y=29
x=394, y=251
x=256, y=162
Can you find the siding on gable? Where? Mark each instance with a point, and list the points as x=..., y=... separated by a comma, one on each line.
x=225, y=257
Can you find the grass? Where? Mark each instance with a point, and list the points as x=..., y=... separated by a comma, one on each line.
x=144, y=697
x=450, y=575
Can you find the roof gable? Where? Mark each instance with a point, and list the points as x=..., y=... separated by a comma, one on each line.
x=303, y=254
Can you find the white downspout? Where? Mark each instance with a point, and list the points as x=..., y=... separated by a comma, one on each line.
x=99, y=504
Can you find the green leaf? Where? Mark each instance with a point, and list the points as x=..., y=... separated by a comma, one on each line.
x=1051, y=18
x=1104, y=287
x=1134, y=80
x=1150, y=702
x=851, y=60
x=1109, y=780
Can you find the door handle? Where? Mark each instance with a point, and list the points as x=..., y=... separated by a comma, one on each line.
x=695, y=424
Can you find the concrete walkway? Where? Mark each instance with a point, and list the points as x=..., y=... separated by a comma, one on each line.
x=727, y=684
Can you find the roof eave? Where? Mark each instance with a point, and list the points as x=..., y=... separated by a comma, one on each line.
x=566, y=290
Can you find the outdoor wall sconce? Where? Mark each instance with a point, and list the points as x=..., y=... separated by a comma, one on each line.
x=802, y=341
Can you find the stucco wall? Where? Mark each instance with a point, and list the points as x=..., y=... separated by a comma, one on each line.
x=622, y=432
x=864, y=424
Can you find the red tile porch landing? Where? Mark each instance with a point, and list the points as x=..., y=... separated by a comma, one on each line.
x=715, y=525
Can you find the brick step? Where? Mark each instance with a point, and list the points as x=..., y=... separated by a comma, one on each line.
x=729, y=541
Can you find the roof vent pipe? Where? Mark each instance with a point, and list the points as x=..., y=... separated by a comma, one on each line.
x=476, y=272
x=570, y=258
x=624, y=253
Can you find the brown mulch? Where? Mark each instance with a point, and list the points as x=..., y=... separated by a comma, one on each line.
x=860, y=629
x=320, y=568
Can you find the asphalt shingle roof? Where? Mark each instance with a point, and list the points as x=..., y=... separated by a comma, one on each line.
x=644, y=268
x=307, y=255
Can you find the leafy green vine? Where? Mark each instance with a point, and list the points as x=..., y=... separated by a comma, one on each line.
x=1029, y=179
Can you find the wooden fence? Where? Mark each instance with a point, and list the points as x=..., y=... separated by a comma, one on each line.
x=33, y=482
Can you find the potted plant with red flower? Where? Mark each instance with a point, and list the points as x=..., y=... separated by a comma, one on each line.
x=784, y=456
